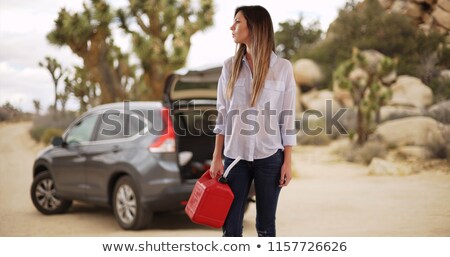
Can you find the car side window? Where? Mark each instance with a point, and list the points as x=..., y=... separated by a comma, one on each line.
x=82, y=130
x=115, y=125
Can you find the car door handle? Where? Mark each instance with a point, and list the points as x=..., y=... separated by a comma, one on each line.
x=116, y=149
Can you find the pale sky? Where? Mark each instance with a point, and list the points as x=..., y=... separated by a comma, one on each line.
x=24, y=25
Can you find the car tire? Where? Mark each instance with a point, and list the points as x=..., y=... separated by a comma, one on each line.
x=43, y=195
x=129, y=211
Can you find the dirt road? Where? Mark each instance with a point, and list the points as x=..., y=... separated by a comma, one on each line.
x=328, y=198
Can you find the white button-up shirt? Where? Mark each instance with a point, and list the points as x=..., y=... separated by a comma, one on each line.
x=257, y=132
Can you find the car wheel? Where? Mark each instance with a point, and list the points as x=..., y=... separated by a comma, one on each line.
x=128, y=209
x=43, y=195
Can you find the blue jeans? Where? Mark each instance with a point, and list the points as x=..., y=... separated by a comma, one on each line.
x=266, y=175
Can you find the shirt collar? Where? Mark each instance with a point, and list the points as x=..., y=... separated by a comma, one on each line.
x=273, y=58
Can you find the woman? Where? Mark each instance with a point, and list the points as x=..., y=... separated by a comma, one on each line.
x=255, y=103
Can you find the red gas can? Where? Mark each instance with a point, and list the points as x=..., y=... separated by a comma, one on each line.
x=210, y=200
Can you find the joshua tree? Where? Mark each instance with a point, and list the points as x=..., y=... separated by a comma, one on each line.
x=56, y=71
x=63, y=98
x=88, y=35
x=163, y=38
x=37, y=106
x=160, y=39
x=82, y=88
x=362, y=76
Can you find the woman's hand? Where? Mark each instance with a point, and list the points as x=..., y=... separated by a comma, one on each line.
x=286, y=170
x=286, y=174
x=217, y=164
x=216, y=167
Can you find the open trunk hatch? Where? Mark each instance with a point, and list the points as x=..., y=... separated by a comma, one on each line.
x=192, y=85
x=192, y=97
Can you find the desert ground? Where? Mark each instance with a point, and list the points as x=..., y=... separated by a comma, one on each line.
x=328, y=197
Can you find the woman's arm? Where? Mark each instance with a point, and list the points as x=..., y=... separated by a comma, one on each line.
x=217, y=164
x=288, y=132
x=286, y=170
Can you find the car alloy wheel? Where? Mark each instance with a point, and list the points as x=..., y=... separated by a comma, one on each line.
x=126, y=204
x=130, y=213
x=45, y=194
x=44, y=197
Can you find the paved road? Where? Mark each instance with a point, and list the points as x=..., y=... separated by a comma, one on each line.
x=329, y=197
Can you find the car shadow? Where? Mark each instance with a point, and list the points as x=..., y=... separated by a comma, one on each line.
x=175, y=220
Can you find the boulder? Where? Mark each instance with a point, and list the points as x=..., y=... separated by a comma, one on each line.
x=416, y=131
x=389, y=112
x=386, y=4
x=317, y=99
x=440, y=112
x=444, y=4
x=380, y=167
x=414, y=10
x=445, y=74
x=358, y=76
x=342, y=96
x=389, y=78
x=442, y=17
x=410, y=91
x=307, y=72
x=323, y=102
x=441, y=29
x=373, y=59
x=427, y=15
x=399, y=7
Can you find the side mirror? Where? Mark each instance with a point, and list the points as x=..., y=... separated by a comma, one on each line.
x=57, y=141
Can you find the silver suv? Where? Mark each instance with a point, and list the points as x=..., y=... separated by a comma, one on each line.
x=137, y=157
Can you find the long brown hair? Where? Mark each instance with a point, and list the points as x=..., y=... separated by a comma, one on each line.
x=262, y=44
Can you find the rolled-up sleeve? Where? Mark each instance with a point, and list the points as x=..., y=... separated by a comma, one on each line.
x=287, y=117
x=221, y=102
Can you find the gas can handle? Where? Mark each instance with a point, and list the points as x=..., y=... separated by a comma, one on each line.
x=231, y=166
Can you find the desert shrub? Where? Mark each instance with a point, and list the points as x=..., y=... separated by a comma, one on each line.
x=49, y=133
x=36, y=133
x=365, y=153
x=441, y=89
x=8, y=112
x=320, y=139
x=54, y=120
x=49, y=125
x=4, y=114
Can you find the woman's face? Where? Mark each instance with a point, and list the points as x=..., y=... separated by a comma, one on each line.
x=239, y=29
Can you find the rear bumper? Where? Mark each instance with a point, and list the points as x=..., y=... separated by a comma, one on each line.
x=171, y=199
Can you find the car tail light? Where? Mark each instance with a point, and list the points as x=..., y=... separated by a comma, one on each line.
x=166, y=142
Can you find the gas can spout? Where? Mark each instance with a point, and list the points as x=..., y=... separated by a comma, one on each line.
x=225, y=174
x=223, y=180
